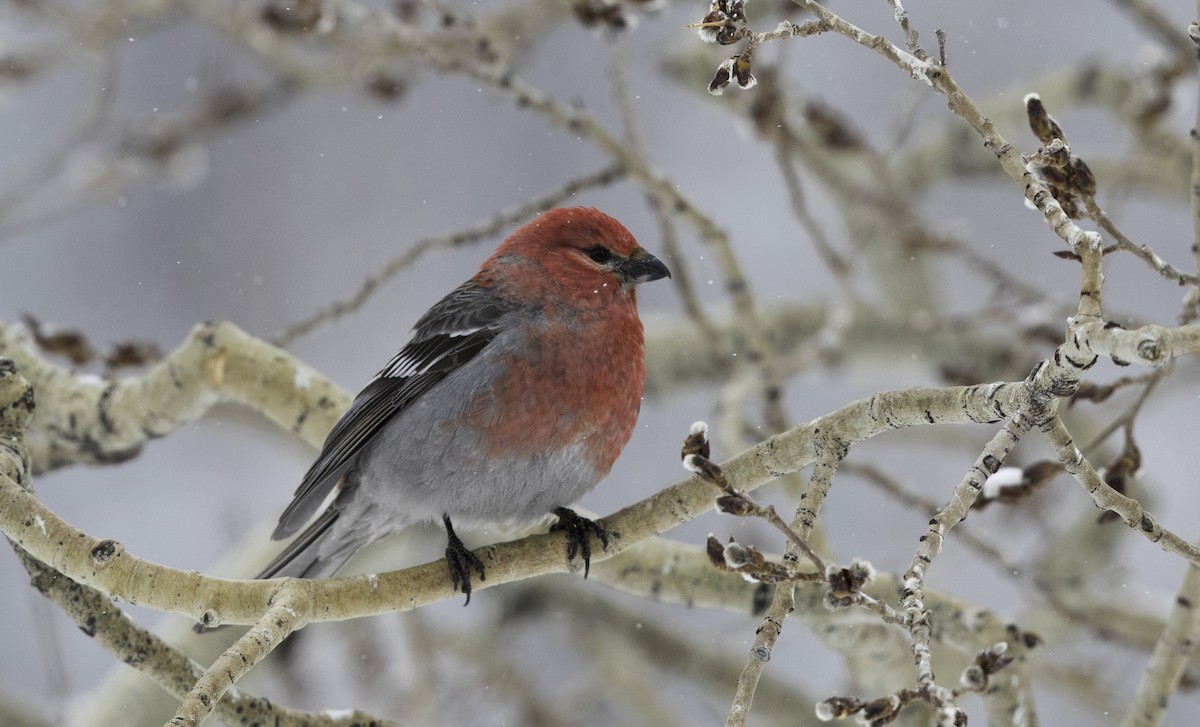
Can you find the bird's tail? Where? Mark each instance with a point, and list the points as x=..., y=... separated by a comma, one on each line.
x=311, y=554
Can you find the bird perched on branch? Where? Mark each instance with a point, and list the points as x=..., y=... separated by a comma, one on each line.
x=514, y=397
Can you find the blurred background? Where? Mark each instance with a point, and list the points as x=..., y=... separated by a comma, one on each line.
x=167, y=163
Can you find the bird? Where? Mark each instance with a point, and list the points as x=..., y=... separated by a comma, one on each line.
x=514, y=396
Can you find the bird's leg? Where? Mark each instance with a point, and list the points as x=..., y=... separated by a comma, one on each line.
x=460, y=560
x=577, y=529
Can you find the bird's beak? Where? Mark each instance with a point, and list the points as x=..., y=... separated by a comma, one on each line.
x=642, y=267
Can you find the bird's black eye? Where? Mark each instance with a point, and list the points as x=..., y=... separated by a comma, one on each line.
x=599, y=254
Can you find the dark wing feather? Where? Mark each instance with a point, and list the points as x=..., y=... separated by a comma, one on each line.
x=295, y=561
x=453, y=332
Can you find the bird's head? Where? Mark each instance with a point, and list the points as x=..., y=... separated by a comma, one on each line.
x=579, y=250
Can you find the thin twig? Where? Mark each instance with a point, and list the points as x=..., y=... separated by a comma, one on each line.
x=738, y=503
x=684, y=284
x=1150, y=379
x=95, y=614
x=783, y=603
x=911, y=39
x=1172, y=653
x=1164, y=27
x=1142, y=252
x=1191, y=306
x=931, y=542
x=930, y=508
x=489, y=228
x=89, y=121
x=681, y=275
x=279, y=622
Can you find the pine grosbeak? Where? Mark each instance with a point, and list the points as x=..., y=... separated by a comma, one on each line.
x=514, y=397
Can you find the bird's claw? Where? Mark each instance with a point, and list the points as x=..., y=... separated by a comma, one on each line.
x=460, y=560
x=577, y=529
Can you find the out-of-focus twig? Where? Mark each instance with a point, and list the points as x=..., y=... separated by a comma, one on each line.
x=482, y=231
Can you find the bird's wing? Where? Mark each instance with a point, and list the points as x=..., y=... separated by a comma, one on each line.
x=451, y=333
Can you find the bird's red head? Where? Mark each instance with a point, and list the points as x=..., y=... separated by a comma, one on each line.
x=579, y=248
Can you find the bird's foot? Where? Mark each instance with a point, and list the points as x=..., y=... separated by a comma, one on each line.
x=460, y=561
x=577, y=529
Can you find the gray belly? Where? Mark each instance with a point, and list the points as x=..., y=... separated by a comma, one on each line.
x=418, y=468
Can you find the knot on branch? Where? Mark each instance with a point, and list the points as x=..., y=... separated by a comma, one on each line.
x=1151, y=350
x=1150, y=527
x=210, y=619
x=105, y=552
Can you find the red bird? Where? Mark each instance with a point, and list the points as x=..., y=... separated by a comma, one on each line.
x=514, y=397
